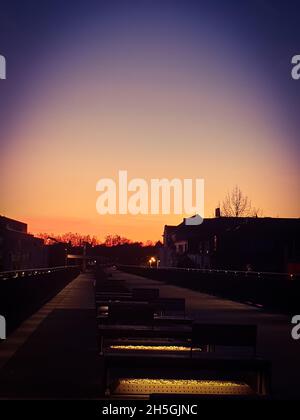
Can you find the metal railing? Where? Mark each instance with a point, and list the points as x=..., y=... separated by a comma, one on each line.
x=22, y=292
x=279, y=292
x=6, y=275
x=290, y=276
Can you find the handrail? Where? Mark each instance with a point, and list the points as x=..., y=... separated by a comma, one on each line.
x=222, y=271
x=4, y=275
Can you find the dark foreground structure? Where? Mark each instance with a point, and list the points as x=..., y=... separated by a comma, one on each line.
x=103, y=339
x=23, y=292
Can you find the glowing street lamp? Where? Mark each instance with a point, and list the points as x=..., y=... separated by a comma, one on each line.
x=152, y=260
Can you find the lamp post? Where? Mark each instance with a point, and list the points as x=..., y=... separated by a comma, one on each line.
x=152, y=260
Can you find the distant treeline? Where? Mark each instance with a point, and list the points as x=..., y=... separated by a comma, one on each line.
x=114, y=249
x=127, y=253
x=77, y=239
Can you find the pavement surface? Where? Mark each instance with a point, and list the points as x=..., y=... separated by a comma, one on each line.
x=54, y=353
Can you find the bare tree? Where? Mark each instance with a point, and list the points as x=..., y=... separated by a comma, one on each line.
x=114, y=240
x=76, y=239
x=237, y=204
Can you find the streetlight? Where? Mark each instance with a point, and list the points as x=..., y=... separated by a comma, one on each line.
x=152, y=260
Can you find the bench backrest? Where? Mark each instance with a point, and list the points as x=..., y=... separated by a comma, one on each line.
x=165, y=305
x=144, y=294
x=225, y=335
x=130, y=313
x=111, y=286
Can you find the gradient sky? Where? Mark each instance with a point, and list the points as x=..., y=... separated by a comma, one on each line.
x=188, y=89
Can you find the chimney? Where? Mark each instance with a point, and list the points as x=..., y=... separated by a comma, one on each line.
x=218, y=212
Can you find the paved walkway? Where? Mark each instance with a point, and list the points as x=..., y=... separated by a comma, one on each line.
x=54, y=355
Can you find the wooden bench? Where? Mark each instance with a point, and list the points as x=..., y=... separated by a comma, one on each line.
x=164, y=306
x=239, y=339
x=246, y=376
x=130, y=313
x=224, y=335
x=110, y=286
x=144, y=294
x=143, y=334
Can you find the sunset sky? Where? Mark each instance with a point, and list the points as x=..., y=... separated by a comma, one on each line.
x=162, y=89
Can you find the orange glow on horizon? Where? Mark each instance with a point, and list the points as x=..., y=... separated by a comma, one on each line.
x=160, y=111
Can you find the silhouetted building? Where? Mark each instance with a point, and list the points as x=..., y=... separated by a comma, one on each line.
x=189, y=246
x=57, y=254
x=261, y=244
x=18, y=249
x=234, y=243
